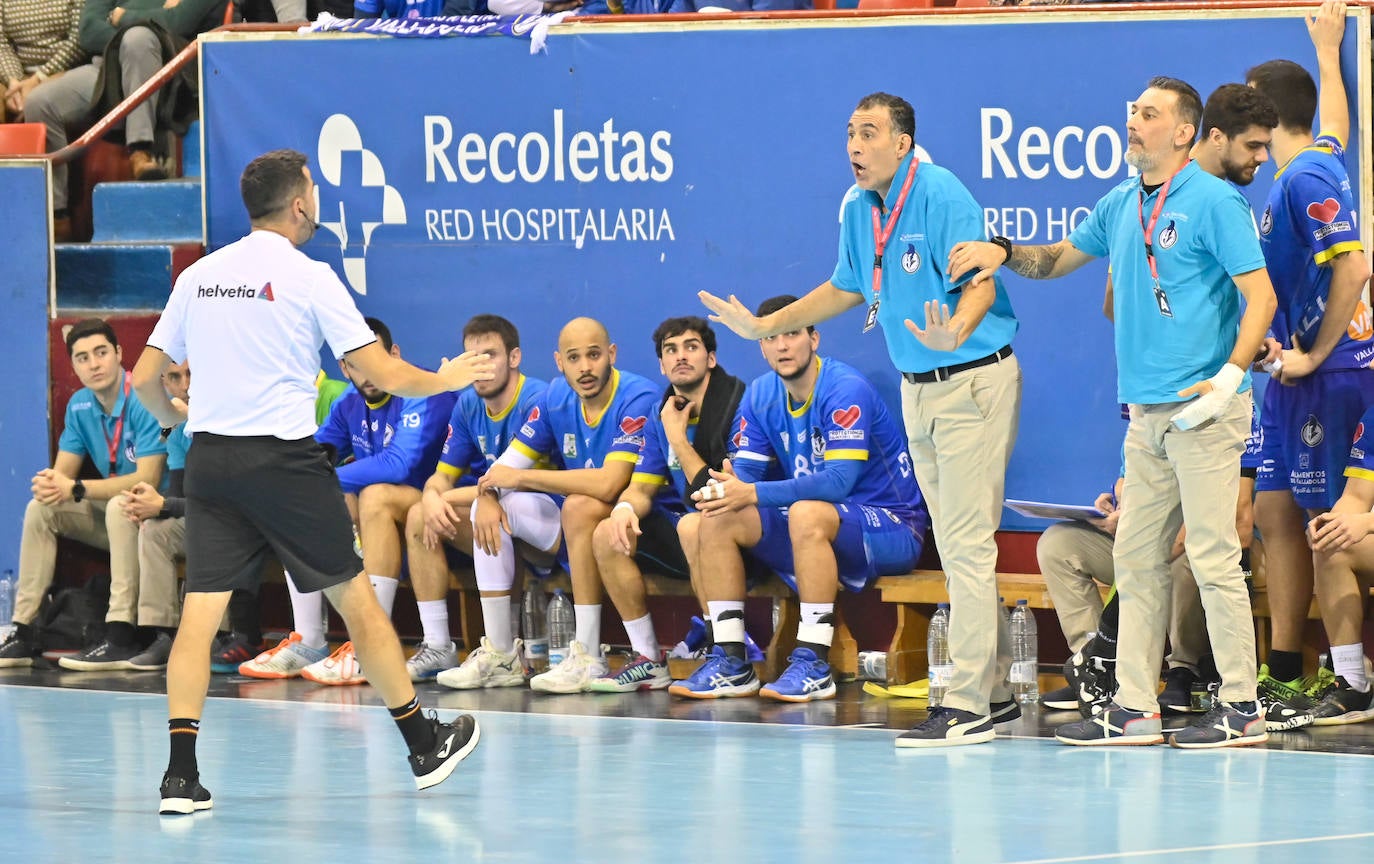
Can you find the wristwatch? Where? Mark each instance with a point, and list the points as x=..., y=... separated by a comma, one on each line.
x=1005, y=243
x=78, y=491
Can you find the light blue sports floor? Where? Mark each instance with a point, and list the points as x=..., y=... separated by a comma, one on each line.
x=303, y=774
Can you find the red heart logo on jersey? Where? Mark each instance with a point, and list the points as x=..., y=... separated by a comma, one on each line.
x=534, y=414
x=631, y=425
x=848, y=417
x=1359, y=431
x=1325, y=212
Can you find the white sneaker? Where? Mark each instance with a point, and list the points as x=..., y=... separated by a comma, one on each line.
x=486, y=667
x=339, y=669
x=428, y=660
x=286, y=660
x=574, y=674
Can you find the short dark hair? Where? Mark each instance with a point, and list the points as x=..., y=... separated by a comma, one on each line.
x=1189, y=108
x=481, y=325
x=270, y=182
x=1233, y=108
x=903, y=116
x=773, y=304
x=383, y=332
x=677, y=326
x=90, y=327
x=1291, y=89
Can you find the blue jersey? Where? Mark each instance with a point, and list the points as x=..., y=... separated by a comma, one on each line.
x=476, y=437
x=840, y=445
x=398, y=8
x=88, y=431
x=1204, y=236
x=939, y=212
x=658, y=465
x=394, y=441
x=558, y=426
x=1308, y=220
x=1361, y=462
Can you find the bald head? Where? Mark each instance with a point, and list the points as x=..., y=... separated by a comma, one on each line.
x=585, y=356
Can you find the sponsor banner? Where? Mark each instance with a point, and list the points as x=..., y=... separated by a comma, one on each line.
x=627, y=169
x=532, y=27
x=26, y=273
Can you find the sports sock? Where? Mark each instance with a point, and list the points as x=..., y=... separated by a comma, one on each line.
x=588, y=624
x=642, y=637
x=415, y=727
x=1348, y=662
x=1285, y=665
x=434, y=620
x=183, y=732
x=496, y=618
x=385, y=589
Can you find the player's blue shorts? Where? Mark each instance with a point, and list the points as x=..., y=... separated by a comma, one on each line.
x=1307, y=432
x=873, y=542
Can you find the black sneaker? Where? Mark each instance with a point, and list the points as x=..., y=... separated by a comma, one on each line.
x=1177, y=697
x=1005, y=712
x=104, y=657
x=1343, y=704
x=1063, y=699
x=949, y=727
x=1091, y=672
x=16, y=651
x=181, y=795
x=452, y=743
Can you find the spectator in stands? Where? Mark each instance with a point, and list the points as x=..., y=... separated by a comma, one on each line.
x=483, y=423
x=961, y=394
x=848, y=512
x=515, y=7
x=38, y=42
x=687, y=439
x=106, y=422
x=142, y=32
x=1344, y=570
x=161, y=521
x=591, y=425
x=1311, y=241
x=1180, y=334
x=385, y=447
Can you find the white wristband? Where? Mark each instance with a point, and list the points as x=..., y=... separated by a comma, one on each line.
x=626, y=504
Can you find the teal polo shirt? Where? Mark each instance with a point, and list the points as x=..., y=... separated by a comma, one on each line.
x=1204, y=236
x=939, y=213
x=87, y=429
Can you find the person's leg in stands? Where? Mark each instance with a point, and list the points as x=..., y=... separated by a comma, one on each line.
x=1075, y=558
x=160, y=543
x=140, y=58
x=58, y=103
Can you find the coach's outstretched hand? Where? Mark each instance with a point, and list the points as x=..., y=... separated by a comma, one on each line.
x=733, y=314
x=466, y=368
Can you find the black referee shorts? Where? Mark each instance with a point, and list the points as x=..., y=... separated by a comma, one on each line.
x=245, y=495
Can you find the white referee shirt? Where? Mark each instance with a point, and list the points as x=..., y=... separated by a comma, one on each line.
x=251, y=319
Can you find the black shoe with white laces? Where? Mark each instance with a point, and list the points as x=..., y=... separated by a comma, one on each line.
x=104, y=657
x=949, y=727
x=452, y=743
x=19, y=649
x=182, y=795
x=1091, y=672
x=1344, y=704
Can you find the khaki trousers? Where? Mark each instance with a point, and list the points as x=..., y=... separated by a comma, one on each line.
x=1173, y=477
x=101, y=524
x=160, y=543
x=960, y=433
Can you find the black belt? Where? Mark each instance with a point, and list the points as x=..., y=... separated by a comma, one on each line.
x=944, y=372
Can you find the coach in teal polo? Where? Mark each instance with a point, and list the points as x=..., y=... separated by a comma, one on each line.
x=961, y=388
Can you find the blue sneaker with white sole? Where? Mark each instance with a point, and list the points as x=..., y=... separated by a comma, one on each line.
x=806, y=678
x=720, y=676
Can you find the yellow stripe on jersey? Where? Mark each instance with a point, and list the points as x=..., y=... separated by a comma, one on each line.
x=450, y=470
x=1359, y=473
x=1327, y=254
x=529, y=451
x=648, y=479
x=622, y=456
x=860, y=455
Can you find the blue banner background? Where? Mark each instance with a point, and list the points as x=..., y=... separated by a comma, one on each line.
x=756, y=120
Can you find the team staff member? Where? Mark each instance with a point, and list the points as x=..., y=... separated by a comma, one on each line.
x=107, y=423
x=1183, y=251
x=962, y=386
x=251, y=318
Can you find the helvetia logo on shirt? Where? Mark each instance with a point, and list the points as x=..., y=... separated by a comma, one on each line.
x=266, y=293
x=353, y=195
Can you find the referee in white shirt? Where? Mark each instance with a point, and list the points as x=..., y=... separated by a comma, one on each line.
x=251, y=318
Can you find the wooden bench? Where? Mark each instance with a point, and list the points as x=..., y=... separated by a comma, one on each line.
x=915, y=595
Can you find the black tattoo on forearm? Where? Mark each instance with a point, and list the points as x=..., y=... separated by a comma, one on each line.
x=1034, y=262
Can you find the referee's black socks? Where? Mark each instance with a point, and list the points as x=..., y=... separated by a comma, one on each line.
x=183, y=732
x=415, y=727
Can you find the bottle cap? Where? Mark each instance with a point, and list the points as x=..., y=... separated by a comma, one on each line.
x=941, y=605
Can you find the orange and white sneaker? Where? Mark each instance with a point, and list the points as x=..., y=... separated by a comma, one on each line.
x=339, y=669
x=286, y=660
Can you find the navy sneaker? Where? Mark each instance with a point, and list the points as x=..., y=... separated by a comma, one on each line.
x=17, y=651
x=1343, y=704
x=1113, y=725
x=106, y=656
x=1005, y=712
x=1177, y=696
x=1063, y=699
x=182, y=795
x=949, y=727
x=806, y=678
x=452, y=744
x=721, y=675
x=1226, y=725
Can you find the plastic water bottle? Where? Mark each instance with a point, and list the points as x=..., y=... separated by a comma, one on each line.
x=6, y=604
x=534, y=611
x=1025, y=650
x=873, y=666
x=562, y=627
x=937, y=655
